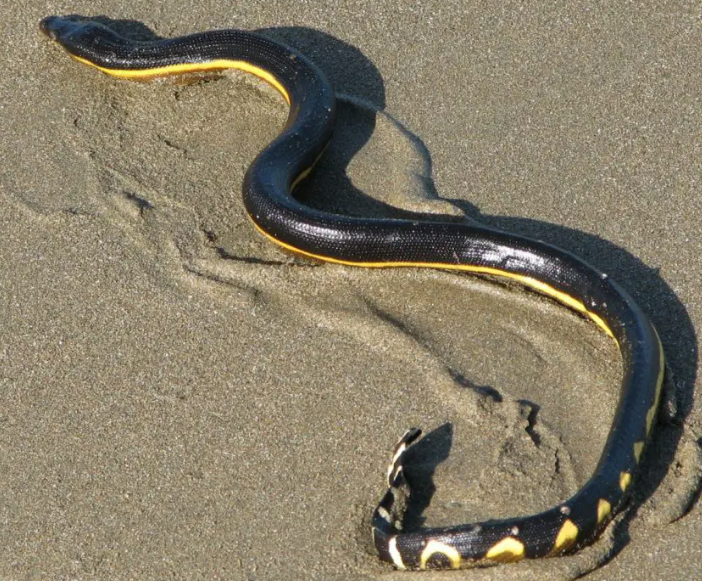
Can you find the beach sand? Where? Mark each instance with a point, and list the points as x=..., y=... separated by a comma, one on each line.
x=180, y=399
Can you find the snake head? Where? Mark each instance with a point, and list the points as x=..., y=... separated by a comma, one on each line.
x=60, y=28
x=85, y=39
x=79, y=33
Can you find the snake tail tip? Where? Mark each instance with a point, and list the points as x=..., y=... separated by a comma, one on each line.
x=396, y=467
x=412, y=434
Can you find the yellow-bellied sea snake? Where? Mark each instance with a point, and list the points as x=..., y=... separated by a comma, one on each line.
x=374, y=243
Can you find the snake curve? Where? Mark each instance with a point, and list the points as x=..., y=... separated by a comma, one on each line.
x=375, y=243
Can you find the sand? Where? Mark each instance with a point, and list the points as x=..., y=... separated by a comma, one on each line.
x=179, y=399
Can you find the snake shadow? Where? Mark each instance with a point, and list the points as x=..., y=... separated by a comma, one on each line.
x=423, y=458
x=352, y=73
x=330, y=189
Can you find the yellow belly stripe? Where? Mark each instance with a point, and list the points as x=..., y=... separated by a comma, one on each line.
x=659, y=387
x=527, y=281
x=213, y=65
x=649, y=418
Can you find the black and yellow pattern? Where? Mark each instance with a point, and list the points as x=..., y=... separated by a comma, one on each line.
x=375, y=243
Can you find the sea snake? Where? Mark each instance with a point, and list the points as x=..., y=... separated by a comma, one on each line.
x=379, y=243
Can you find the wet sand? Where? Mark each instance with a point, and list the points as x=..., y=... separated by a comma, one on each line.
x=180, y=399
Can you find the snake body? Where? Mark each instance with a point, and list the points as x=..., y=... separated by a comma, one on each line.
x=556, y=273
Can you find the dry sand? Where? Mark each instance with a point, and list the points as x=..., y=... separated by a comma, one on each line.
x=180, y=400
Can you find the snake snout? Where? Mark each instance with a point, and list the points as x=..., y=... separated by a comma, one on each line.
x=46, y=26
x=58, y=27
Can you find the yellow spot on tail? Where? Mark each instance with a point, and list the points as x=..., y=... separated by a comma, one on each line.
x=603, y=510
x=527, y=281
x=434, y=547
x=507, y=550
x=624, y=481
x=565, y=538
x=395, y=554
x=638, y=448
x=213, y=65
